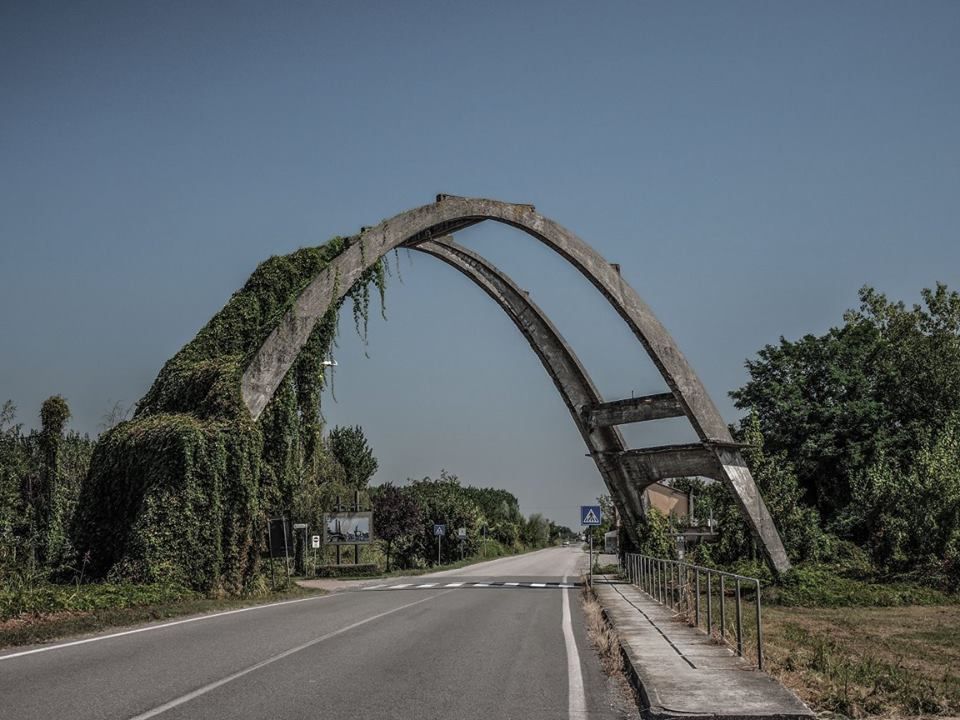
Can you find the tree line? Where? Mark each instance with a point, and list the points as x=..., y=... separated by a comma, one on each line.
x=405, y=515
x=42, y=473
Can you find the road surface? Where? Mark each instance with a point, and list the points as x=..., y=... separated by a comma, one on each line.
x=500, y=639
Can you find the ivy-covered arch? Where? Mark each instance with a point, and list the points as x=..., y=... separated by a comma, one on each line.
x=231, y=424
x=716, y=455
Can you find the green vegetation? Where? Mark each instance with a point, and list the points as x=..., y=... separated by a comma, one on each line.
x=853, y=438
x=41, y=598
x=819, y=586
x=40, y=477
x=861, y=424
x=41, y=611
x=181, y=492
x=405, y=516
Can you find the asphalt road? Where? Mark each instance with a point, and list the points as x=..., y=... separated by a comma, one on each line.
x=501, y=639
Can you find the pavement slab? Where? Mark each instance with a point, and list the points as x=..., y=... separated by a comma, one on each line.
x=680, y=672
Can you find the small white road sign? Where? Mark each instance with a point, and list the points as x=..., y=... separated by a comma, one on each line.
x=315, y=541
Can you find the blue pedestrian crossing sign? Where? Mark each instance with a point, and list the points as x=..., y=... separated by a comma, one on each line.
x=439, y=530
x=590, y=515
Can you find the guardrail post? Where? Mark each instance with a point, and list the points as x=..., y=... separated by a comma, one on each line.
x=659, y=581
x=723, y=610
x=696, y=604
x=739, y=623
x=759, y=631
x=709, y=603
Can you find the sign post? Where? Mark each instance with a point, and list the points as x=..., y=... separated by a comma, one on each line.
x=439, y=530
x=590, y=516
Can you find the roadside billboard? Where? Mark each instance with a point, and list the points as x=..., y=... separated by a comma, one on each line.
x=348, y=528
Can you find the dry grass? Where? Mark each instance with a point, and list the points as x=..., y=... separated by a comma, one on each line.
x=861, y=662
x=603, y=637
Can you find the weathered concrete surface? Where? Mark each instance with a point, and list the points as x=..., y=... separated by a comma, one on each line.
x=275, y=357
x=671, y=461
x=631, y=410
x=680, y=672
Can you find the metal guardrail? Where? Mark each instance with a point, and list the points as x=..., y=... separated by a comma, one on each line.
x=678, y=585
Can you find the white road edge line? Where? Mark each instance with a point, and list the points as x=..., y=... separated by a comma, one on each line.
x=98, y=638
x=397, y=587
x=454, y=585
x=577, y=702
x=269, y=661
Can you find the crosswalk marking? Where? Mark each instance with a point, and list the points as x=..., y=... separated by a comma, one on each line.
x=424, y=586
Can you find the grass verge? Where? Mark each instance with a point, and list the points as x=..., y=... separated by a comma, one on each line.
x=607, y=646
x=43, y=626
x=862, y=662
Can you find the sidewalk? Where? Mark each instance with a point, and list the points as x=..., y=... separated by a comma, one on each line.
x=680, y=672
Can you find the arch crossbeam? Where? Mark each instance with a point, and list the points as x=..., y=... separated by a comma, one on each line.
x=429, y=222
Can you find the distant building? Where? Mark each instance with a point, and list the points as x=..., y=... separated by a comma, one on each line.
x=611, y=542
x=680, y=508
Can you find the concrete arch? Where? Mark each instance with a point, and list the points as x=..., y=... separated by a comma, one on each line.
x=716, y=455
x=604, y=443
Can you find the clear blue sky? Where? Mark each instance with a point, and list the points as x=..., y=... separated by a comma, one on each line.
x=749, y=165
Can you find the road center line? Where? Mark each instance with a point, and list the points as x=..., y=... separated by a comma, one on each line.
x=269, y=661
x=577, y=703
x=149, y=628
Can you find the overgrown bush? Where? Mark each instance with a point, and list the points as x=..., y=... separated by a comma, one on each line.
x=182, y=491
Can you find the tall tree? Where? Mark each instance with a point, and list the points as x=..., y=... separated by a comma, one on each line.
x=397, y=516
x=874, y=386
x=49, y=504
x=349, y=447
